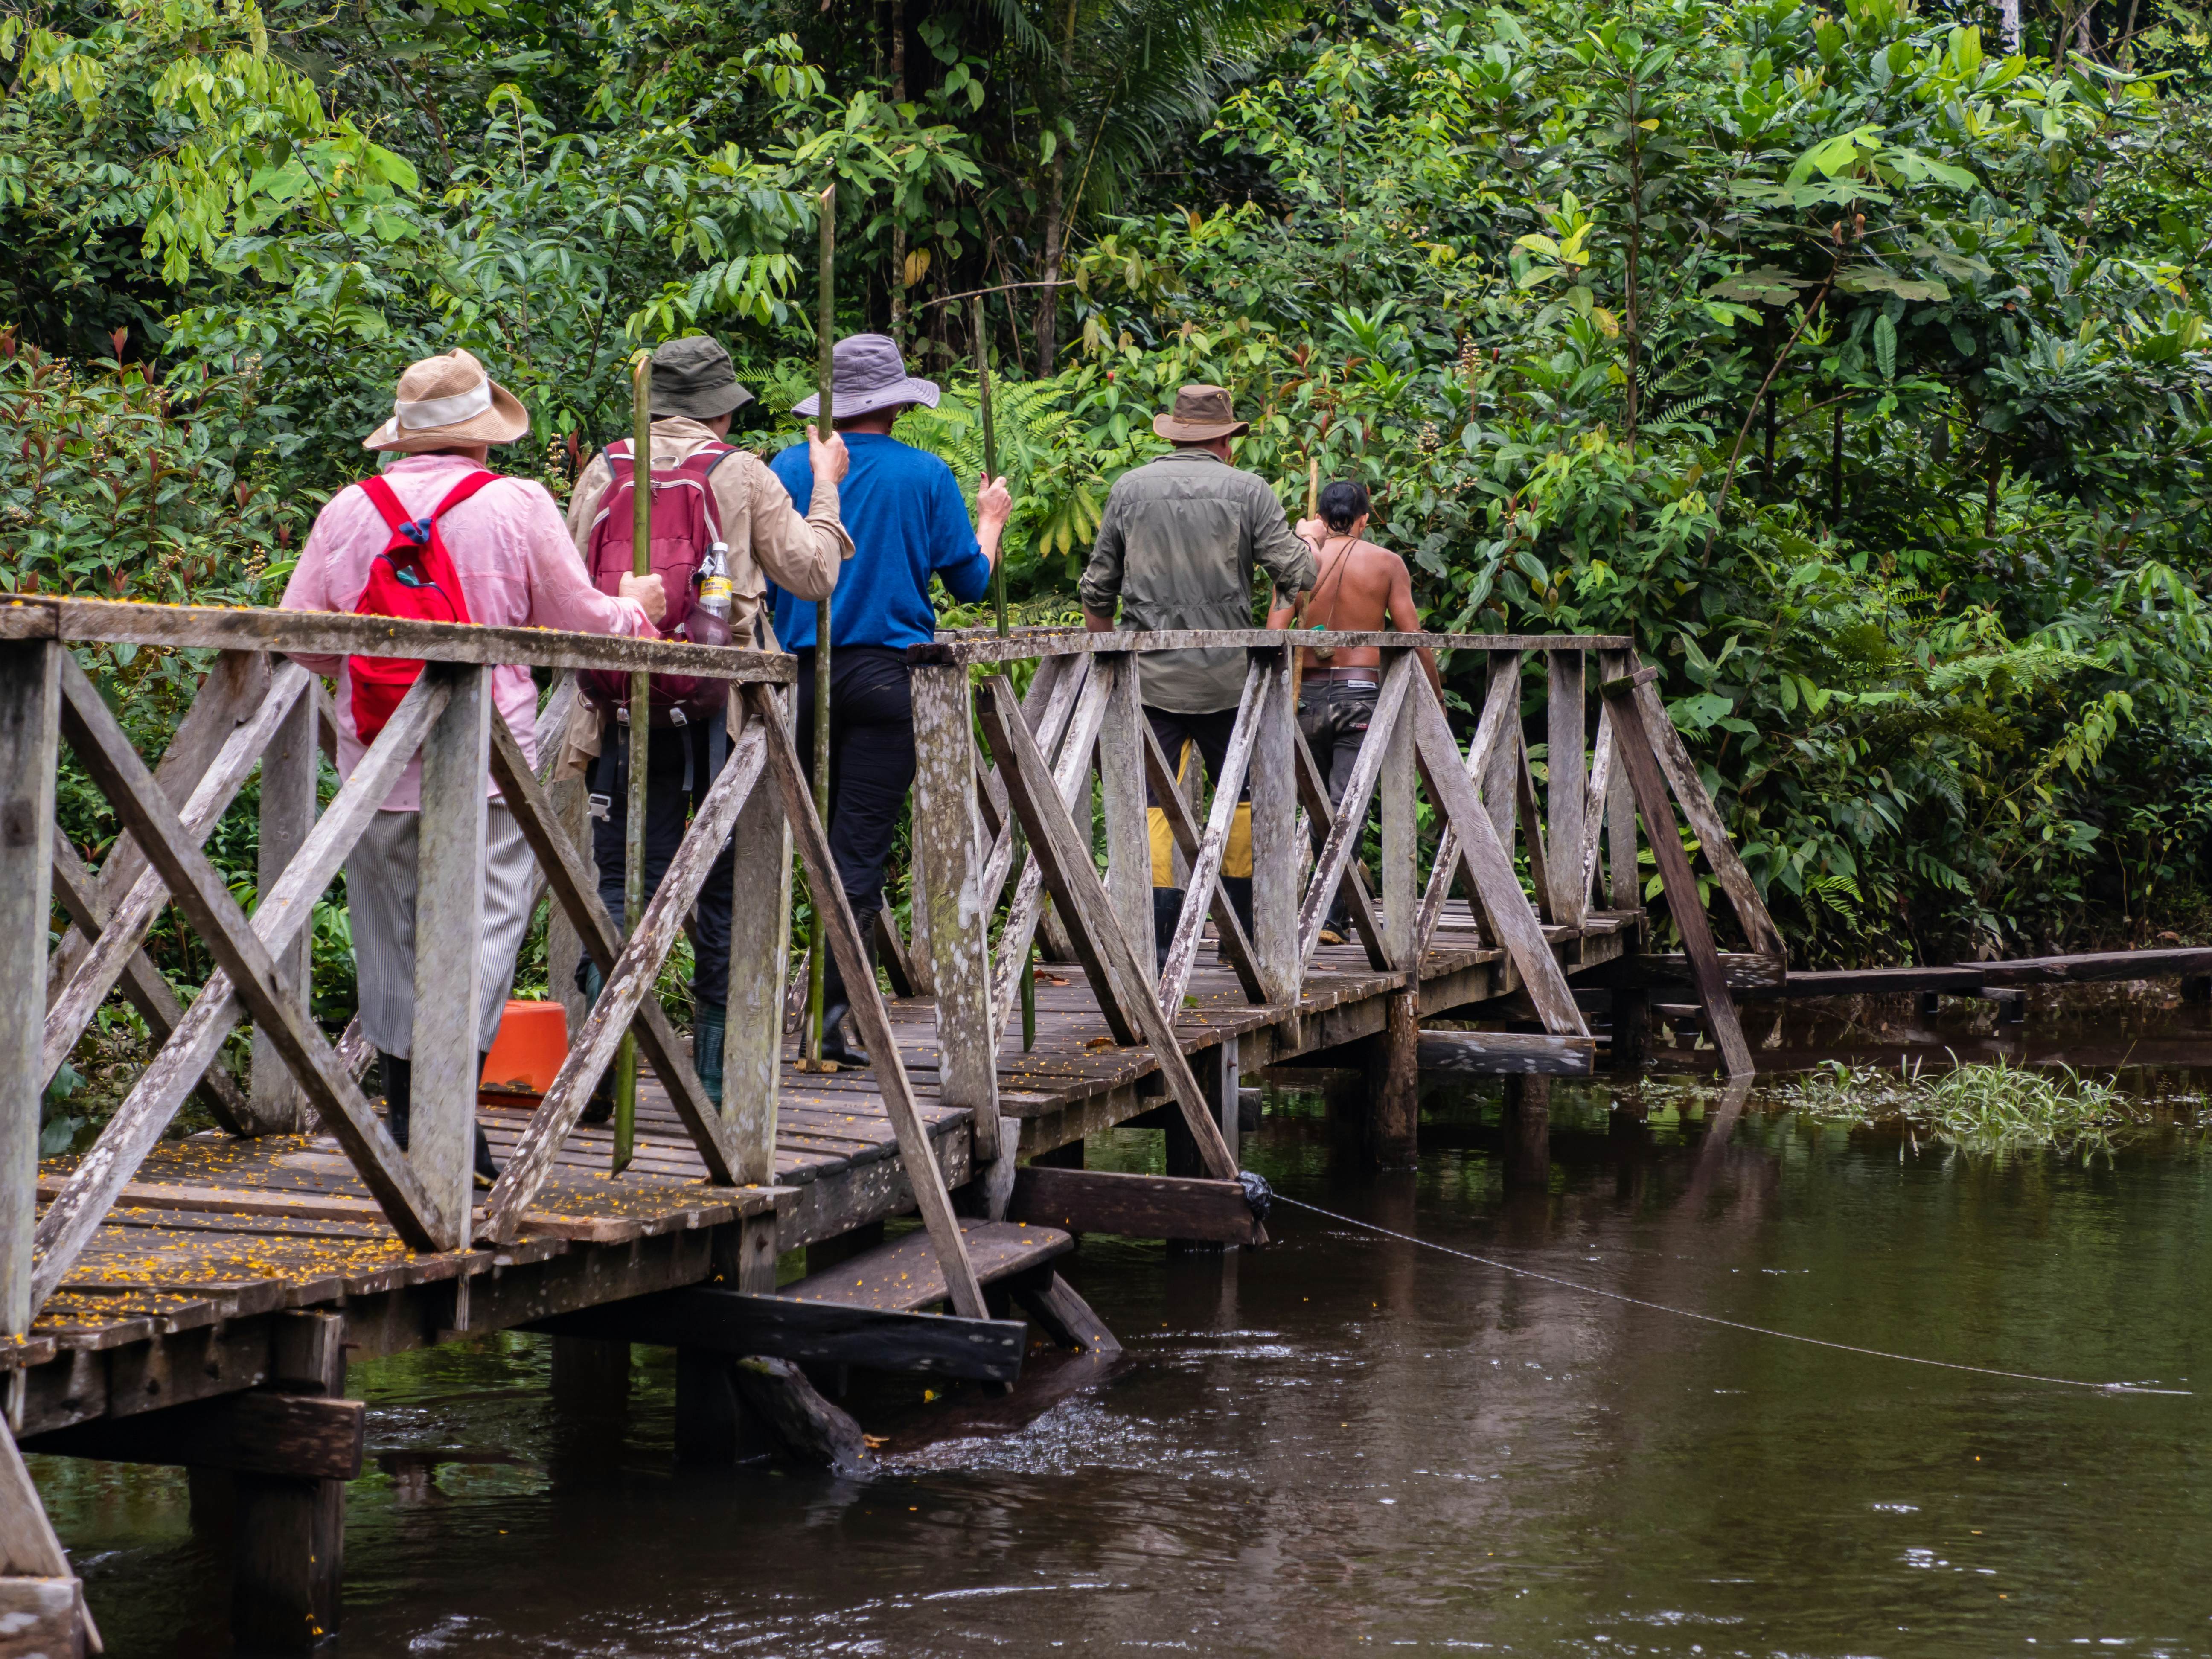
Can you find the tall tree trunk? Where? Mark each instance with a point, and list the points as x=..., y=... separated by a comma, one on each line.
x=898, y=221
x=1055, y=237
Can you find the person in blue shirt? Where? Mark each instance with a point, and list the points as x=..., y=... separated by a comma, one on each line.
x=903, y=510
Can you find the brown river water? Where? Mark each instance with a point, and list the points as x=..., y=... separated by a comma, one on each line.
x=1346, y=1443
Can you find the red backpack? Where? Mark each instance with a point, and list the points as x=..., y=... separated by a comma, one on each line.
x=414, y=577
x=685, y=524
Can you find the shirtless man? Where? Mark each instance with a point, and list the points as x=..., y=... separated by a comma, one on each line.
x=1358, y=588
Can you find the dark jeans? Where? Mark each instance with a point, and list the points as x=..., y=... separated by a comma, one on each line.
x=871, y=761
x=1210, y=732
x=668, y=809
x=1333, y=716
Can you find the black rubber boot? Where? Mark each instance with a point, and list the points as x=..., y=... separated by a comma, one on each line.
x=487, y=1171
x=1167, y=910
x=1239, y=888
x=837, y=1004
x=398, y=1078
x=601, y=1106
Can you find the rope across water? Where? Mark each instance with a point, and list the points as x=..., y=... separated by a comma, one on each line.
x=1714, y=1319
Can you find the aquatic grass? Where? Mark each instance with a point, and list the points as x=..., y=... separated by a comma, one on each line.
x=1993, y=1110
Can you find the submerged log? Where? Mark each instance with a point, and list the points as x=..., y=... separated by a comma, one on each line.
x=805, y=1427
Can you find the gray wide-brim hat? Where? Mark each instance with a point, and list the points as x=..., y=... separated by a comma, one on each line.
x=694, y=377
x=868, y=374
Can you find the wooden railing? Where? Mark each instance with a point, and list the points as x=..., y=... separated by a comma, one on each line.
x=256, y=710
x=1081, y=716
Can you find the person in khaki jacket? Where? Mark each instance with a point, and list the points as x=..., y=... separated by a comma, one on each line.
x=695, y=394
x=1176, y=550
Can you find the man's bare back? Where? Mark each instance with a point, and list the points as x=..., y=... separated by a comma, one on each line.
x=1358, y=588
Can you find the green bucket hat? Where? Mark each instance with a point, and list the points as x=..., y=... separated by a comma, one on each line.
x=693, y=377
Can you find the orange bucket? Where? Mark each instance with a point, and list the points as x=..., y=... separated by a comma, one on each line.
x=532, y=1042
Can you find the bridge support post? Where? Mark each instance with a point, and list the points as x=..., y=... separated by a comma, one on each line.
x=1631, y=1027
x=288, y=1534
x=1390, y=1060
x=1528, y=1123
x=288, y=813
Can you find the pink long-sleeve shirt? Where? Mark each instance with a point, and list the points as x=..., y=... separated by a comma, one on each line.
x=518, y=567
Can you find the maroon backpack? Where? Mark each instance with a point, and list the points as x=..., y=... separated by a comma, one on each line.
x=414, y=577
x=685, y=524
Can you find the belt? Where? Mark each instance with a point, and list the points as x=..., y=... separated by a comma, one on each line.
x=1365, y=674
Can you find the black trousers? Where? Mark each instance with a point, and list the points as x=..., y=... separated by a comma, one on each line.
x=1211, y=732
x=871, y=761
x=1333, y=716
x=668, y=809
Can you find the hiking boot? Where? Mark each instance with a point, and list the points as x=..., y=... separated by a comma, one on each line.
x=398, y=1077
x=836, y=1003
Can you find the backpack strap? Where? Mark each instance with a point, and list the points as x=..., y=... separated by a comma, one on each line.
x=417, y=531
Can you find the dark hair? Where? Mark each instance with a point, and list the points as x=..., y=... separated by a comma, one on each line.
x=1343, y=504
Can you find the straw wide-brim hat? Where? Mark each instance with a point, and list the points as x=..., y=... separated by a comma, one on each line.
x=867, y=373
x=445, y=402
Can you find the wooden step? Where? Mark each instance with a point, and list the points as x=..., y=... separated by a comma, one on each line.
x=903, y=1275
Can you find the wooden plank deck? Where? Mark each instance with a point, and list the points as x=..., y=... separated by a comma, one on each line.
x=216, y=1237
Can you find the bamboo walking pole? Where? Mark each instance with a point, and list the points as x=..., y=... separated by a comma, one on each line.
x=817, y=942
x=1298, y=607
x=639, y=740
x=982, y=336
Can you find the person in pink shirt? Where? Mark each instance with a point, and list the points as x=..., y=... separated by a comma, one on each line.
x=517, y=566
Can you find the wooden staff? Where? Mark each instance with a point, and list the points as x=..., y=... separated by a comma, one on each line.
x=990, y=443
x=640, y=739
x=817, y=952
x=976, y=326
x=1299, y=604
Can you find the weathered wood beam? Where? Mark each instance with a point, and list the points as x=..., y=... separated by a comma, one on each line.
x=451, y=842
x=228, y=695
x=1505, y=906
x=1082, y=898
x=243, y=978
x=1565, y=782
x=256, y=1431
x=1501, y=714
x=892, y=1085
x=1683, y=903
x=1066, y=1317
x=131, y=920
x=1020, y=648
x=330, y=634
x=733, y=1323
x=1071, y=776
x=630, y=984
x=1205, y=867
x=1230, y=942
x=953, y=895
x=1313, y=795
x=79, y=895
x=570, y=881
x=1133, y=1205
x=1705, y=817
x=1348, y=819
x=30, y=728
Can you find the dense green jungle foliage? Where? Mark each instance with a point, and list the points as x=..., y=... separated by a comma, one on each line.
x=1855, y=361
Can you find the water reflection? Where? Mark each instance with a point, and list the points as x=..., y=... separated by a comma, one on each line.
x=1348, y=1440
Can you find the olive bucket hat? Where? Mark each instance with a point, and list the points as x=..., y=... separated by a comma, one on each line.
x=693, y=377
x=1201, y=414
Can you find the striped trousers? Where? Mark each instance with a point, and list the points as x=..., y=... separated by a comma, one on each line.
x=380, y=896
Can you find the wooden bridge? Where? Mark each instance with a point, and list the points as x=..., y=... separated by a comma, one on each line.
x=196, y=1301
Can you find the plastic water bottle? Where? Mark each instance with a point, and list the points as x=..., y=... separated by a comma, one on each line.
x=710, y=609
